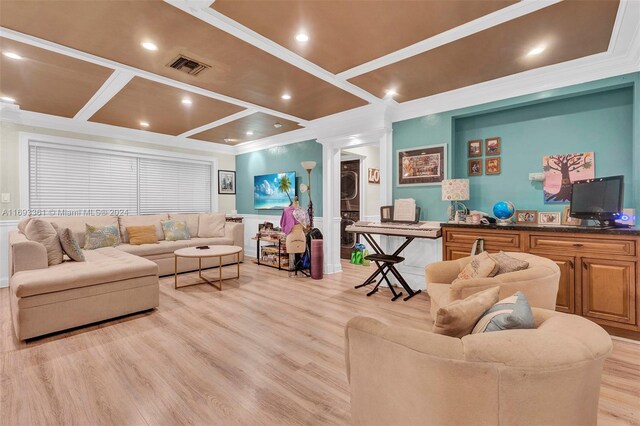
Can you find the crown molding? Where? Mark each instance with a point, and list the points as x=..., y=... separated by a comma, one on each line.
x=202, y=11
x=282, y=139
x=46, y=121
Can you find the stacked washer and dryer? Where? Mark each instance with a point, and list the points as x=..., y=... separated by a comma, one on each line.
x=349, y=204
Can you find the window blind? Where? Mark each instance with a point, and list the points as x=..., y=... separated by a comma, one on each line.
x=174, y=186
x=61, y=178
x=69, y=178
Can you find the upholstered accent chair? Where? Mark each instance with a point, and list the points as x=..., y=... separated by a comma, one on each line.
x=539, y=282
x=549, y=375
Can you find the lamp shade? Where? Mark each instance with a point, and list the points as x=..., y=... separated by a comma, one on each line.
x=455, y=189
x=308, y=165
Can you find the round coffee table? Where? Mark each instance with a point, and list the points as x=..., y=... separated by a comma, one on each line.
x=212, y=251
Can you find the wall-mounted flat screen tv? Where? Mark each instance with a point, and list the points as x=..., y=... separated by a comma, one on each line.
x=274, y=191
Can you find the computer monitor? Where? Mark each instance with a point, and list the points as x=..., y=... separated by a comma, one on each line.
x=599, y=199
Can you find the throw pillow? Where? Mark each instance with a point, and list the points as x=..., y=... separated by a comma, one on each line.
x=211, y=225
x=139, y=235
x=511, y=313
x=69, y=243
x=481, y=266
x=508, y=264
x=22, y=225
x=43, y=232
x=175, y=230
x=458, y=317
x=101, y=236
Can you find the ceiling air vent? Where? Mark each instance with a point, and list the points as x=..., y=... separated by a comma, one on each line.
x=188, y=65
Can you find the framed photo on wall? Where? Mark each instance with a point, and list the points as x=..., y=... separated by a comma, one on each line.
x=492, y=166
x=492, y=146
x=422, y=165
x=226, y=182
x=475, y=167
x=474, y=148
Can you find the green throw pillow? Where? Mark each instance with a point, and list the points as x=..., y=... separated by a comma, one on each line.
x=175, y=230
x=101, y=236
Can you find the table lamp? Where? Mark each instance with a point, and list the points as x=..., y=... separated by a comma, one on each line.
x=455, y=190
x=308, y=166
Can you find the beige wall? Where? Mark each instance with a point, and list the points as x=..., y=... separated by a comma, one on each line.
x=9, y=167
x=371, y=156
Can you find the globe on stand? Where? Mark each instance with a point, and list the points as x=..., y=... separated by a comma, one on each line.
x=504, y=211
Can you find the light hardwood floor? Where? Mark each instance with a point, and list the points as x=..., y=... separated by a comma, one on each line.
x=266, y=350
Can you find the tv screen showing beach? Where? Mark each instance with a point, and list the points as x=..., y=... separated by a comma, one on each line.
x=274, y=191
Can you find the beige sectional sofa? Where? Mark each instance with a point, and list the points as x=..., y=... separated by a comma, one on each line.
x=113, y=281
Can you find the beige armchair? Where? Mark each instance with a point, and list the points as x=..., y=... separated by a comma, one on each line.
x=539, y=282
x=544, y=376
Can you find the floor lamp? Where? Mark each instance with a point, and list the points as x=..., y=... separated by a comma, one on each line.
x=308, y=166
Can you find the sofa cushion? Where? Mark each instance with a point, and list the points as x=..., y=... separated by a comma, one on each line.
x=69, y=244
x=101, y=266
x=145, y=234
x=101, y=236
x=211, y=225
x=152, y=219
x=481, y=266
x=163, y=247
x=458, y=318
x=78, y=224
x=511, y=313
x=191, y=220
x=43, y=232
x=507, y=264
x=175, y=230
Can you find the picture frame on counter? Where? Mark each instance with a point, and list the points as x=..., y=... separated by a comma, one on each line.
x=549, y=218
x=527, y=217
x=568, y=220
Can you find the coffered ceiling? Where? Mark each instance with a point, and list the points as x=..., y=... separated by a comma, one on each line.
x=85, y=60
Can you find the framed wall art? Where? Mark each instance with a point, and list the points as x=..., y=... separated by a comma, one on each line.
x=226, y=182
x=492, y=166
x=422, y=165
x=492, y=146
x=475, y=167
x=474, y=148
x=561, y=170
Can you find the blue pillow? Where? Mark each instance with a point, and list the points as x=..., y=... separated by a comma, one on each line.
x=511, y=313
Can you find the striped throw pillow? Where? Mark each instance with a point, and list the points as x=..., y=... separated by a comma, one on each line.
x=511, y=313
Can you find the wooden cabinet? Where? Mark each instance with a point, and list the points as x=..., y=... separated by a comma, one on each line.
x=608, y=290
x=598, y=270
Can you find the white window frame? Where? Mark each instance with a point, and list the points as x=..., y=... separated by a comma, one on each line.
x=26, y=139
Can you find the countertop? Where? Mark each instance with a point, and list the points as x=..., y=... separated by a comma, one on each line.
x=549, y=228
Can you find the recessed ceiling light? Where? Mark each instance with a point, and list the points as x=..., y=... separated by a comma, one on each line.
x=390, y=92
x=12, y=55
x=536, y=50
x=149, y=46
x=286, y=96
x=249, y=133
x=144, y=124
x=187, y=101
x=7, y=99
x=277, y=125
x=302, y=37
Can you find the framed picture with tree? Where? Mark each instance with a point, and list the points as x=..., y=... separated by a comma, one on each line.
x=563, y=169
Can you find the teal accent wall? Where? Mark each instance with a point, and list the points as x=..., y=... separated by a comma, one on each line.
x=279, y=159
x=600, y=116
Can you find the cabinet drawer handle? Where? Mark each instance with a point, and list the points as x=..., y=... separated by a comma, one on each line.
x=578, y=245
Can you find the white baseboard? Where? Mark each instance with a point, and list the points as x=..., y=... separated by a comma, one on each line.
x=5, y=227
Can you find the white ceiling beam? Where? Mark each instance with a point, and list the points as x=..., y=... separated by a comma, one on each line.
x=111, y=87
x=107, y=63
x=217, y=123
x=224, y=23
x=524, y=7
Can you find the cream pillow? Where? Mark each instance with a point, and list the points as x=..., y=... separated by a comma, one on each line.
x=458, y=318
x=22, y=225
x=507, y=264
x=481, y=266
x=211, y=225
x=69, y=243
x=43, y=232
